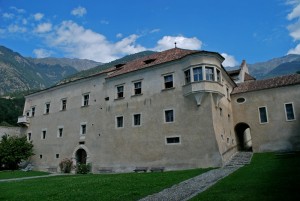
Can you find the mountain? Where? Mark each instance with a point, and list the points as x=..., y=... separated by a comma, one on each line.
x=78, y=64
x=97, y=69
x=18, y=73
x=286, y=65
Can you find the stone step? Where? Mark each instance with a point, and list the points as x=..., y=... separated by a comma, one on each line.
x=240, y=159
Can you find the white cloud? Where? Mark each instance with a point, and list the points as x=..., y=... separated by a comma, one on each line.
x=42, y=53
x=294, y=28
x=168, y=42
x=78, y=42
x=79, y=11
x=17, y=9
x=119, y=35
x=24, y=21
x=229, y=60
x=43, y=28
x=38, y=16
x=8, y=15
x=155, y=30
x=13, y=28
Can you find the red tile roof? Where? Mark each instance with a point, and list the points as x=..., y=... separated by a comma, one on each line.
x=155, y=59
x=256, y=85
x=248, y=77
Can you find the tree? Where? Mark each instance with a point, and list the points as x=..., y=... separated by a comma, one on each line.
x=13, y=150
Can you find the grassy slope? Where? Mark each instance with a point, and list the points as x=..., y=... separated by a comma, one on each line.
x=123, y=187
x=19, y=174
x=268, y=177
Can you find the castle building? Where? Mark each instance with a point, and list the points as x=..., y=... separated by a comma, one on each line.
x=176, y=109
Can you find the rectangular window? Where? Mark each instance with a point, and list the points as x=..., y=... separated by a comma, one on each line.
x=263, y=115
x=169, y=116
x=120, y=122
x=289, y=111
x=47, y=108
x=136, y=119
x=32, y=111
x=28, y=136
x=168, y=81
x=44, y=132
x=137, y=88
x=57, y=156
x=172, y=140
x=197, y=72
x=27, y=113
x=187, y=76
x=83, y=129
x=60, y=132
x=209, y=71
x=64, y=104
x=120, y=91
x=85, y=99
x=218, y=76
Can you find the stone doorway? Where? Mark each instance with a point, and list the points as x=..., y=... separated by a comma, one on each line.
x=243, y=136
x=81, y=156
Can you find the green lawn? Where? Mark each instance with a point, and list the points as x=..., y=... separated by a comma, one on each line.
x=268, y=177
x=130, y=186
x=18, y=174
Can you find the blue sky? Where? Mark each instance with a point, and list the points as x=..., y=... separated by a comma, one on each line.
x=255, y=30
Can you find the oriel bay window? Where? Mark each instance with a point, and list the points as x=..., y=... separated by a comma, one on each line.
x=201, y=73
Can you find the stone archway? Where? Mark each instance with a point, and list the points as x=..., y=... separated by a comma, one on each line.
x=81, y=156
x=243, y=136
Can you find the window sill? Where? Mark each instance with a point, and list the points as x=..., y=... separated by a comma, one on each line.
x=83, y=106
x=136, y=95
x=64, y=110
x=168, y=89
x=46, y=114
x=121, y=98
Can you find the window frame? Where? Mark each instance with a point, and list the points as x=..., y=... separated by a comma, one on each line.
x=208, y=74
x=63, y=105
x=167, y=83
x=117, y=122
x=120, y=94
x=83, y=129
x=134, y=122
x=197, y=74
x=165, y=116
x=47, y=108
x=44, y=134
x=29, y=136
x=187, y=76
x=33, y=111
x=137, y=90
x=85, y=99
x=60, y=134
x=173, y=143
x=286, y=112
x=266, y=113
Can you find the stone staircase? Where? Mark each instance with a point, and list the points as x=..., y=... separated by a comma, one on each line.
x=239, y=159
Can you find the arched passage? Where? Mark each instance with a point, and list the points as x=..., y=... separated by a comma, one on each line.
x=81, y=156
x=243, y=136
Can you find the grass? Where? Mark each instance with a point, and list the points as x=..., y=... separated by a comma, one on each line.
x=131, y=186
x=269, y=177
x=19, y=174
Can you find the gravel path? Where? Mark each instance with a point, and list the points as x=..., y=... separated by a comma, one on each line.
x=189, y=188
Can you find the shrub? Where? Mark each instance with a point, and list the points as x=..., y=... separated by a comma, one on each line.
x=66, y=165
x=83, y=168
x=13, y=150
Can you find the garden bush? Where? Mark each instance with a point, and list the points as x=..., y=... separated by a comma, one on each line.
x=83, y=168
x=66, y=165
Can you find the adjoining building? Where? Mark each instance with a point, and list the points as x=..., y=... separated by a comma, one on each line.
x=176, y=109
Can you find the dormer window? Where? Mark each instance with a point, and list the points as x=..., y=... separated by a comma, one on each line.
x=119, y=66
x=148, y=61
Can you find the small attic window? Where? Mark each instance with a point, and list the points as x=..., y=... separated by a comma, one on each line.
x=119, y=65
x=148, y=61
